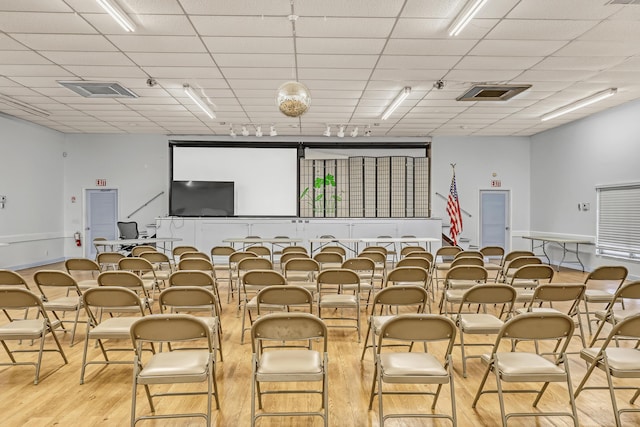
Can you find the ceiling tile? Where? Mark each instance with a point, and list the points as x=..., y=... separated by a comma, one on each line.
x=418, y=28
x=599, y=48
x=497, y=62
x=246, y=7
x=88, y=58
x=237, y=45
x=565, y=9
x=339, y=46
x=428, y=47
x=66, y=42
x=578, y=63
x=140, y=43
x=172, y=59
x=516, y=47
x=333, y=26
x=44, y=23
x=257, y=60
x=367, y=8
x=241, y=26
x=535, y=29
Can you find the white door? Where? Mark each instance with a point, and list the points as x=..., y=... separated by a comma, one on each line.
x=495, y=219
x=101, y=208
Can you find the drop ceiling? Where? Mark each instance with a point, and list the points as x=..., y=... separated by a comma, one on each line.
x=353, y=55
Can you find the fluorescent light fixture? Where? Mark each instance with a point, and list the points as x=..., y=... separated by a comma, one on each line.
x=396, y=102
x=118, y=14
x=465, y=16
x=272, y=131
x=245, y=131
x=579, y=104
x=258, y=131
x=354, y=132
x=340, y=133
x=327, y=131
x=198, y=101
x=23, y=106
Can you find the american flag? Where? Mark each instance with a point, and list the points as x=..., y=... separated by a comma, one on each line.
x=453, y=209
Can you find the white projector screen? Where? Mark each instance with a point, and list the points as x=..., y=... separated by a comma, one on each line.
x=265, y=178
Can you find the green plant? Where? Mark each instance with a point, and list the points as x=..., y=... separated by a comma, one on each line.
x=318, y=202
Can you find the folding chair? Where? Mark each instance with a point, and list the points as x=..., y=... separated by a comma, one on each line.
x=442, y=261
x=301, y=272
x=413, y=367
x=365, y=268
x=173, y=367
x=507, y=259
x=482, y=323
x=611, y=315
x=200, y=265
x=143, y=269
x=109, y=260
x=234, y=277
x=131, y=281
x=457, y=281
x=51, y=281
x=521, y=366
x=493, y=257
x=108, y=299
x=616, y=362
x=278, y=365
x=253, y=282
x=609, y=273
x=385, y=301
x=14, y=298
x=330, y=283
x=84, y=270
x=10, y=278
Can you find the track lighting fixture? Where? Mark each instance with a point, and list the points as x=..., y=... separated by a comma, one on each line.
x=198, y=101
x=579, y=104
x=272, y=131
x=245, y=131
x=117, y=14
x=327, y=131
x=258, y=131
x=396, y=102
x=354, y=132
x=465, y=16
x=341, y=132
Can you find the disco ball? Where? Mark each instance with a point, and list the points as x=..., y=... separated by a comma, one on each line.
x=293, y=99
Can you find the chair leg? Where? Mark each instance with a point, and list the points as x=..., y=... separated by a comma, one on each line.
x=612, y=393
x=572, y=400
x=452, y=391
x=373, y=385
x=481, y=386
x=500, y=397
x=366, y=338
x=463, y=356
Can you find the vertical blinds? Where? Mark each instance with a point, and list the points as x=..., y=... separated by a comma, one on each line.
x=618, y=229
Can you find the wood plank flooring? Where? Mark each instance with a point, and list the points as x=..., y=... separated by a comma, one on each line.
x=105, y=398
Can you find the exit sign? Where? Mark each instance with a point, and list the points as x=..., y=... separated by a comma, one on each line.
x=496, y=183
x=101, y=182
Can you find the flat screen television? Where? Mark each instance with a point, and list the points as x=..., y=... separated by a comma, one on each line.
x=201, y=198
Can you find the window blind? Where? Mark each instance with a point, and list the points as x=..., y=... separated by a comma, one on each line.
x=618, y=227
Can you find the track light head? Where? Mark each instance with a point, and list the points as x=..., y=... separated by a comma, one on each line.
x=327, y=131
x=272, y=131
x=232, y=133
x=354, y=132
x=245, y=131
x=258, y=131
x=340, y=133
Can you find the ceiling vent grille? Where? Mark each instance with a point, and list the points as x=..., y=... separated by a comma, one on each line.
x=492, y=92
x=623, y=2
x=99, y=89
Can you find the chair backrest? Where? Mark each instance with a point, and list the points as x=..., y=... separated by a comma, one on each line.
x=256, y=263
x=401, y=295
x=414, y=262
x=195, y=264
x=537, y=326
x=259, y=278
x=238, y=256
x=376, y=249
x=194, y=254
x=55, y=278
x=533, y=272
x=337, y=276
x=287, y=327
x=469, y=254
x=447, y=251
x=336, y=249
x=187, y=298
x=222, y=251
x=421, y=254
x=126, y=279
x=328, y=257
x=376, y=256
x=169, y=328
x=98, y=247
x=294, y=248
x=285, y=295
x=160, y=259
x=628, y=291
x=524, y=260
x=418, y=328
x=286, y=257
x=471, y=260
x=191, y=278
x=109, y=259
x=110, y=297
x=135, y=264
x=467, y=272
x=558, y=292
x=301, y=264
x=128, y=229
x=516, y=254
x=493, y=252
x=14, y=298
x=417, y=275
x=490, y=293
x=628, y=328
x=81, y=264
x=11, y=278
x=137, y=250
x=362, y=266
x=259, y=250
x=614, y=273
x=413, y=248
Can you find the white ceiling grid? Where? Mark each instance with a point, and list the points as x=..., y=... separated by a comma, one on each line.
x=353, y=55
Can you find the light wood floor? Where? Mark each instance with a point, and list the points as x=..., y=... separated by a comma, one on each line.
x=104, y=399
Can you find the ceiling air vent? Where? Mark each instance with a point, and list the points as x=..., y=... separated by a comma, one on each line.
x=623, y=2
x=99, y=89
x=492, y=92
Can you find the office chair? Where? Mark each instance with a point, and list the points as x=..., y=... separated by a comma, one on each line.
x=128, y=230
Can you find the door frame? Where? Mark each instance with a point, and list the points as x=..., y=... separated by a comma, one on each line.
x=508, y=236
x=85, y=220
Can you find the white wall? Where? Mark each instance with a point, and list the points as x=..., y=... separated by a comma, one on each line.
x=570, y=161
x=477, y=158
x=31, y=177
x=136, y=165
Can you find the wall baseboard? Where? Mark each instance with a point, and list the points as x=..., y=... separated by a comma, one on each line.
x=35, y=264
